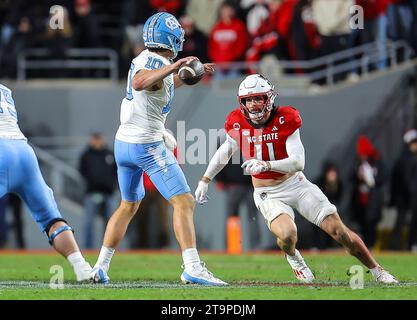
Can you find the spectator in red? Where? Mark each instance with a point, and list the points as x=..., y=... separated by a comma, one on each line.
x=227, y=42
x=367, y=197
x=282, y=14
x=272, y=35
x=175, y=7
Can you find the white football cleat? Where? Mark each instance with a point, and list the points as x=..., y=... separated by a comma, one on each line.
x=99, y=275
x=301, y=270
x=83, y=272
x=383, y=276
x=199, y=274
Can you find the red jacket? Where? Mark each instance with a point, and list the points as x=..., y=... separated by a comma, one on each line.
x=373, y=8
x=281, y=19
x=171, y=6
x=227, y=43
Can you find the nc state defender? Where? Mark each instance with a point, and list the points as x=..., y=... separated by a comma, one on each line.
x=269, y=139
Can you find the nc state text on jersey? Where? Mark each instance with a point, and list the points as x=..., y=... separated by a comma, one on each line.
x=263, y=137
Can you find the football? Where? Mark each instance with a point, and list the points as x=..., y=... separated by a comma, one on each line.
x=191, y=72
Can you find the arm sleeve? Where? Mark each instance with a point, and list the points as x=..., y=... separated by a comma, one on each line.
x=296, y=159
x=221, y=157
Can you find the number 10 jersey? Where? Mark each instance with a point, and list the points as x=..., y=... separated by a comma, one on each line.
x=143, y=113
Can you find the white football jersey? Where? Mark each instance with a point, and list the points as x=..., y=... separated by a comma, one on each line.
x=9, y=129
x=143, y=113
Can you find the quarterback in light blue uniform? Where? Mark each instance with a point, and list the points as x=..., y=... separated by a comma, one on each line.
x=143, y=144
x=20, y=174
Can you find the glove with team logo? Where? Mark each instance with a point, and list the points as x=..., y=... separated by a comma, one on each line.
x=201, y=192
x=254, y=166
x=169, y=140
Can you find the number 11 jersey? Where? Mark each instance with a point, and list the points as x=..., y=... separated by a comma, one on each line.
x=264, y=142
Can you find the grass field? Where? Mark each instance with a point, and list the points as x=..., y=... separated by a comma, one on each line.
x=252, y=276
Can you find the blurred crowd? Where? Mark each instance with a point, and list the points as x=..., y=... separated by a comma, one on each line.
x=215, y=30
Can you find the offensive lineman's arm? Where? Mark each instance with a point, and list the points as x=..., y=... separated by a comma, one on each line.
x=293, y=163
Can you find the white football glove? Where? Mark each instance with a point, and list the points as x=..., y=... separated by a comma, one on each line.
x=254, y=166
x=201, y=192
x=169, y=140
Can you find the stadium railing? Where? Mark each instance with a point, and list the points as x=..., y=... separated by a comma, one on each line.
x=326, y=69
x=63, y=179
x=361, y=59
x=73, y=59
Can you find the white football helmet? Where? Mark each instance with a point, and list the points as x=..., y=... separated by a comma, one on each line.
x=256, y=85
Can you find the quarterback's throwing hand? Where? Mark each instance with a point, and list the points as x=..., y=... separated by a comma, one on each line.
x=254, y=166
x=201, y=192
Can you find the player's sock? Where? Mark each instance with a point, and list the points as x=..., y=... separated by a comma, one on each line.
x=81, y=267
x=76, y=259
x=190, y=257
x=105, y=257
x=376, y=271
x=78, y=263
x=297, y=256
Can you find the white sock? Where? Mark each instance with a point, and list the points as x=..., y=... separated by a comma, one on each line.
x=376, y=271
x=190, y=257
x=105, y=257
x=296, y=256
x=75, y=259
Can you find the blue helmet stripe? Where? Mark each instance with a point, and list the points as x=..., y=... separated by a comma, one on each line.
x=162, y=30
x=151, y=28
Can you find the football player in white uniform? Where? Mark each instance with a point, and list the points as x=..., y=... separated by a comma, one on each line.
x=143, y=145
x=20, y=174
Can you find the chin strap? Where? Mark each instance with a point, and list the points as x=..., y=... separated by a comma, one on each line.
x=57, y=232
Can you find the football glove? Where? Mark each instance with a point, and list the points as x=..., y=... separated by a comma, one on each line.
x=201, y=192
x=254, y=166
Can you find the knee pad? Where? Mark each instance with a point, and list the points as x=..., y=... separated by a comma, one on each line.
x=57, y=231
